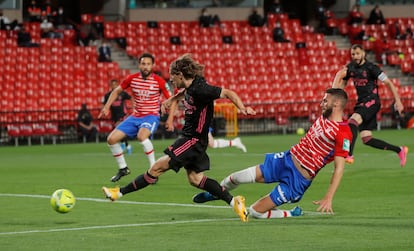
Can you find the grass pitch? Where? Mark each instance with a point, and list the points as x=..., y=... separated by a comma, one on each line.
x=374, y=206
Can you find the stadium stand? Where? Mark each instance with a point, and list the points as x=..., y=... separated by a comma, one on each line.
x=283, y=81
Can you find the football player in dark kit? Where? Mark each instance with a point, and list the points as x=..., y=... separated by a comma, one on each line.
x=118, y=109
x=365, y=76
x=189, y=150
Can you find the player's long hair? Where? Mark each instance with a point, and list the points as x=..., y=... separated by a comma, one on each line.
x=187, y=66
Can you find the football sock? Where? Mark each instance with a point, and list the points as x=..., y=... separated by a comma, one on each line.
x=379, y=144
x=274, y=213
x=140, y=182
x=149, y=151
x=353, y=125
x=215, y=189
x=244, y=176
x=221, y=143
x=117, y=152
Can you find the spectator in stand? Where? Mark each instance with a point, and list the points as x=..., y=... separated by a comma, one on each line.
x=355, y=16
x=47, y=29
x=86, y=128
x=104, y=52
x=376, y=16
x=320, y=16
x=24, y=39
x=5, y=23
x=275, y=7
x=61, y=21
x=279, y=34
x=409, y=33
x=207, y=20
x=34, y=12
x=86, y=34
x=255, y=19
x=48, y=10
x=398, y=33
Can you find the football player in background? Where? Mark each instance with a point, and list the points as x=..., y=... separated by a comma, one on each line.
x=365, y=76
x=147, y=88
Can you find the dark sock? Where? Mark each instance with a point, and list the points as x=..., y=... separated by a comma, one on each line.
x=215, y=189
x=377, y=143
x=354, y=130
x=139, y=183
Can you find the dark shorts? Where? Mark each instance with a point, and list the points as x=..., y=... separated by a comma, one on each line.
x=188, y=153
x=368, y=111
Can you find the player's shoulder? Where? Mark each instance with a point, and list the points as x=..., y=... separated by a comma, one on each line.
x=343, y=128
x=371, y=65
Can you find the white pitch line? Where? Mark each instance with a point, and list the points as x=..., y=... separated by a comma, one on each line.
x=307, y=213
x=119, y=201
x=310, y=213
x=114, y=226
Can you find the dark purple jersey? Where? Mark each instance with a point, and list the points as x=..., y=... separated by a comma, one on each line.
x=199, y=108
x=365, y=78
x=118, y=109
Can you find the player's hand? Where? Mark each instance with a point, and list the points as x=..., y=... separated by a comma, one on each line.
x=325, y=206
x=104, y=112
x=165, y=106
x=398, y=106
x=169, y=125
x=248, y=111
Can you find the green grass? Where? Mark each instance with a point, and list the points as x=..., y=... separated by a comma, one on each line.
x=374, y=205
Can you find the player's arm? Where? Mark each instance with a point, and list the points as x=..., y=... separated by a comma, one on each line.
x=166, y=105
x=229, y=94
x=171, y=105
x=339, y=81
x=398, y=104
x=325, y=204
x=114, y=94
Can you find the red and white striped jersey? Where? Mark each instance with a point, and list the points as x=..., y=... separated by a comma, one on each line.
x=324, y=140
x=146, y=93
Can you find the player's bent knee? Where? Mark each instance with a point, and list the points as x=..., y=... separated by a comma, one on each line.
x=256, y=214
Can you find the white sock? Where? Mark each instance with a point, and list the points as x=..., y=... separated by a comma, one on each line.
x=149, y=151
x=221, y=143
x=275, y=213
x=247, y=175
x=232, y=202
x=117, y=152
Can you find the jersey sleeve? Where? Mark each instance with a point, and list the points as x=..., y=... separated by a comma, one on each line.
x=375, y=71
x=210, y=92
x=343, y=140
x=126, y=82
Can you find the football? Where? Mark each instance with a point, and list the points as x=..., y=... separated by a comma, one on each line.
x=300, y=131
x=62, y=201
